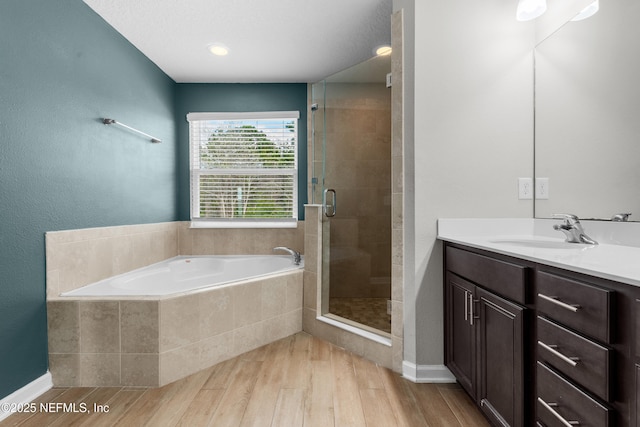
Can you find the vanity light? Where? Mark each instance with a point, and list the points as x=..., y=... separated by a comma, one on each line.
x=218, y=49
x=530, y=9
x=588, y=11
x=383, y=50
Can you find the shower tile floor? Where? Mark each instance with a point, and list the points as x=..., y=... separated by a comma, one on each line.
x=371, y=312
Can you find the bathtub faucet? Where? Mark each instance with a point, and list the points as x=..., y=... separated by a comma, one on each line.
x=295, y=254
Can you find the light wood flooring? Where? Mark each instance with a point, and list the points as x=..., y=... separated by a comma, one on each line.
x=297, y=381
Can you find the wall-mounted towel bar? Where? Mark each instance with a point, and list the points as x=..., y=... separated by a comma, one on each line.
x=113, y=122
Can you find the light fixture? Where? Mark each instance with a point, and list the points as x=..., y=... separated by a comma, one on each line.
x=588, y=11
x=530, y=9
x=218, y=49
x=383, y=50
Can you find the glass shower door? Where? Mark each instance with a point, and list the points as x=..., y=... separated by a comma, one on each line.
x=352, y=160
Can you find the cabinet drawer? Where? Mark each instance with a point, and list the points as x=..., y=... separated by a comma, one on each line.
x=557, y=398
x=592, y=365
x=578, y=305
x=503, y=278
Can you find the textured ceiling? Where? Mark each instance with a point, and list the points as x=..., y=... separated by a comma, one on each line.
x=269, y=40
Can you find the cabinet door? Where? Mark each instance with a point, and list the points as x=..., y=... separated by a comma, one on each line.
x=460, y=346
x=500, y=358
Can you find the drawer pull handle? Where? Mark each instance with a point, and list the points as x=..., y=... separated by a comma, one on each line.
x=573, y=361
x=549, y=407
x=555, y=300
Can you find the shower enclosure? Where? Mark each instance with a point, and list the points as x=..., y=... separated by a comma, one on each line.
x=351, y=176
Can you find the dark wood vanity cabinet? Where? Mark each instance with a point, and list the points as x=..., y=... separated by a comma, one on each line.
x=535, y=345
x=484, y=334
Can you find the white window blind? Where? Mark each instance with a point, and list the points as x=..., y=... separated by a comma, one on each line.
x=244, y=167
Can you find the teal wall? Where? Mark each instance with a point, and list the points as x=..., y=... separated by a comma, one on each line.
x=194, y=98
x=62, y=68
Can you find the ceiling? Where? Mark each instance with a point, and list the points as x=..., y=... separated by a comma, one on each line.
x=269, y=41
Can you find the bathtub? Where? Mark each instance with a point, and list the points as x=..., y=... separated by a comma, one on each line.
x=161, y=323
x=187, y=273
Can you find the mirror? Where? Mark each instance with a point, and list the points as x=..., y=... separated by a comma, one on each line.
x=587, y=115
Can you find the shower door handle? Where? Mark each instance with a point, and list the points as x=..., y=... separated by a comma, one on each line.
x=329, y=208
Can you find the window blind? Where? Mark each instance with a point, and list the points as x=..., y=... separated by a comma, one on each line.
x=244, y=166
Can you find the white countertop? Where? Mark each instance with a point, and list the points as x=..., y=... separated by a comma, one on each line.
x=616, y=257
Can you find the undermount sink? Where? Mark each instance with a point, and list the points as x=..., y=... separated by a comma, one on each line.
x=542, y=244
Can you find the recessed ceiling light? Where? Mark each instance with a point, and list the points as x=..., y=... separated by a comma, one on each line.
x=218, y=49
x=383, y=50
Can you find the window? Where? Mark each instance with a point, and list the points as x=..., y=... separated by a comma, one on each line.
x=244, y=168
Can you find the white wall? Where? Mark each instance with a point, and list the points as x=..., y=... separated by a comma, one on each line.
x=468, y=137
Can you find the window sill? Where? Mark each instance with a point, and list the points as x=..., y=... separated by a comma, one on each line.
x=291, y=223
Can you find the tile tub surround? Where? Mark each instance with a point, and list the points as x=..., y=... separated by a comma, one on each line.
x=152, y=342
x=114, y=341
x=76, y=258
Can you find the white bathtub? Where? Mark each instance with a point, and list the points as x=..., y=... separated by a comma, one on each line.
x=183, y=274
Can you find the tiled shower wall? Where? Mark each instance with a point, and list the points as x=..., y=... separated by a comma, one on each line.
x=358, y=167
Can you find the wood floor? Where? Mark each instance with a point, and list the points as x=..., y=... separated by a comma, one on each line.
x=297, y=381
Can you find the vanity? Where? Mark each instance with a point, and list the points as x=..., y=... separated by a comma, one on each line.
x=541, y=332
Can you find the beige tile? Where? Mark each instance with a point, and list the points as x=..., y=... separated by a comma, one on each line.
x=216, y=349
x=239, y=242
x=397, y=314
x=216, y=311
x=396, y=282
x=100, y=260
x=378, y=353
x=351, y=342
x=142, y=249
x=289, y=323
x=63, y=325
x=310, y=290
x=140, y=370
x=397, y=217
x=282, y=326
x=274, y=295
x=203, y=241
x=139, y=326
x=185, y=243
x=248, y=303
x=124, y=256
x=179, y=322
x=248, y=337
x=397, y=356
x=53, y=283
x=294, y=291
x=396, y=249
x=99, y=327
x=179, y=363
x=311, y=253
x=73, y=265
x=311, y=220
x=100, y=370
x=65, y=369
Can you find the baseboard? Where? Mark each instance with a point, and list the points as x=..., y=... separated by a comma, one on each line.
x=26, y=394
x=427, y=373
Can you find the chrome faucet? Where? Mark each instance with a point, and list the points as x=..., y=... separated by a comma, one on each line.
x=572, y=228
x=295, y=254
x=621, y=217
